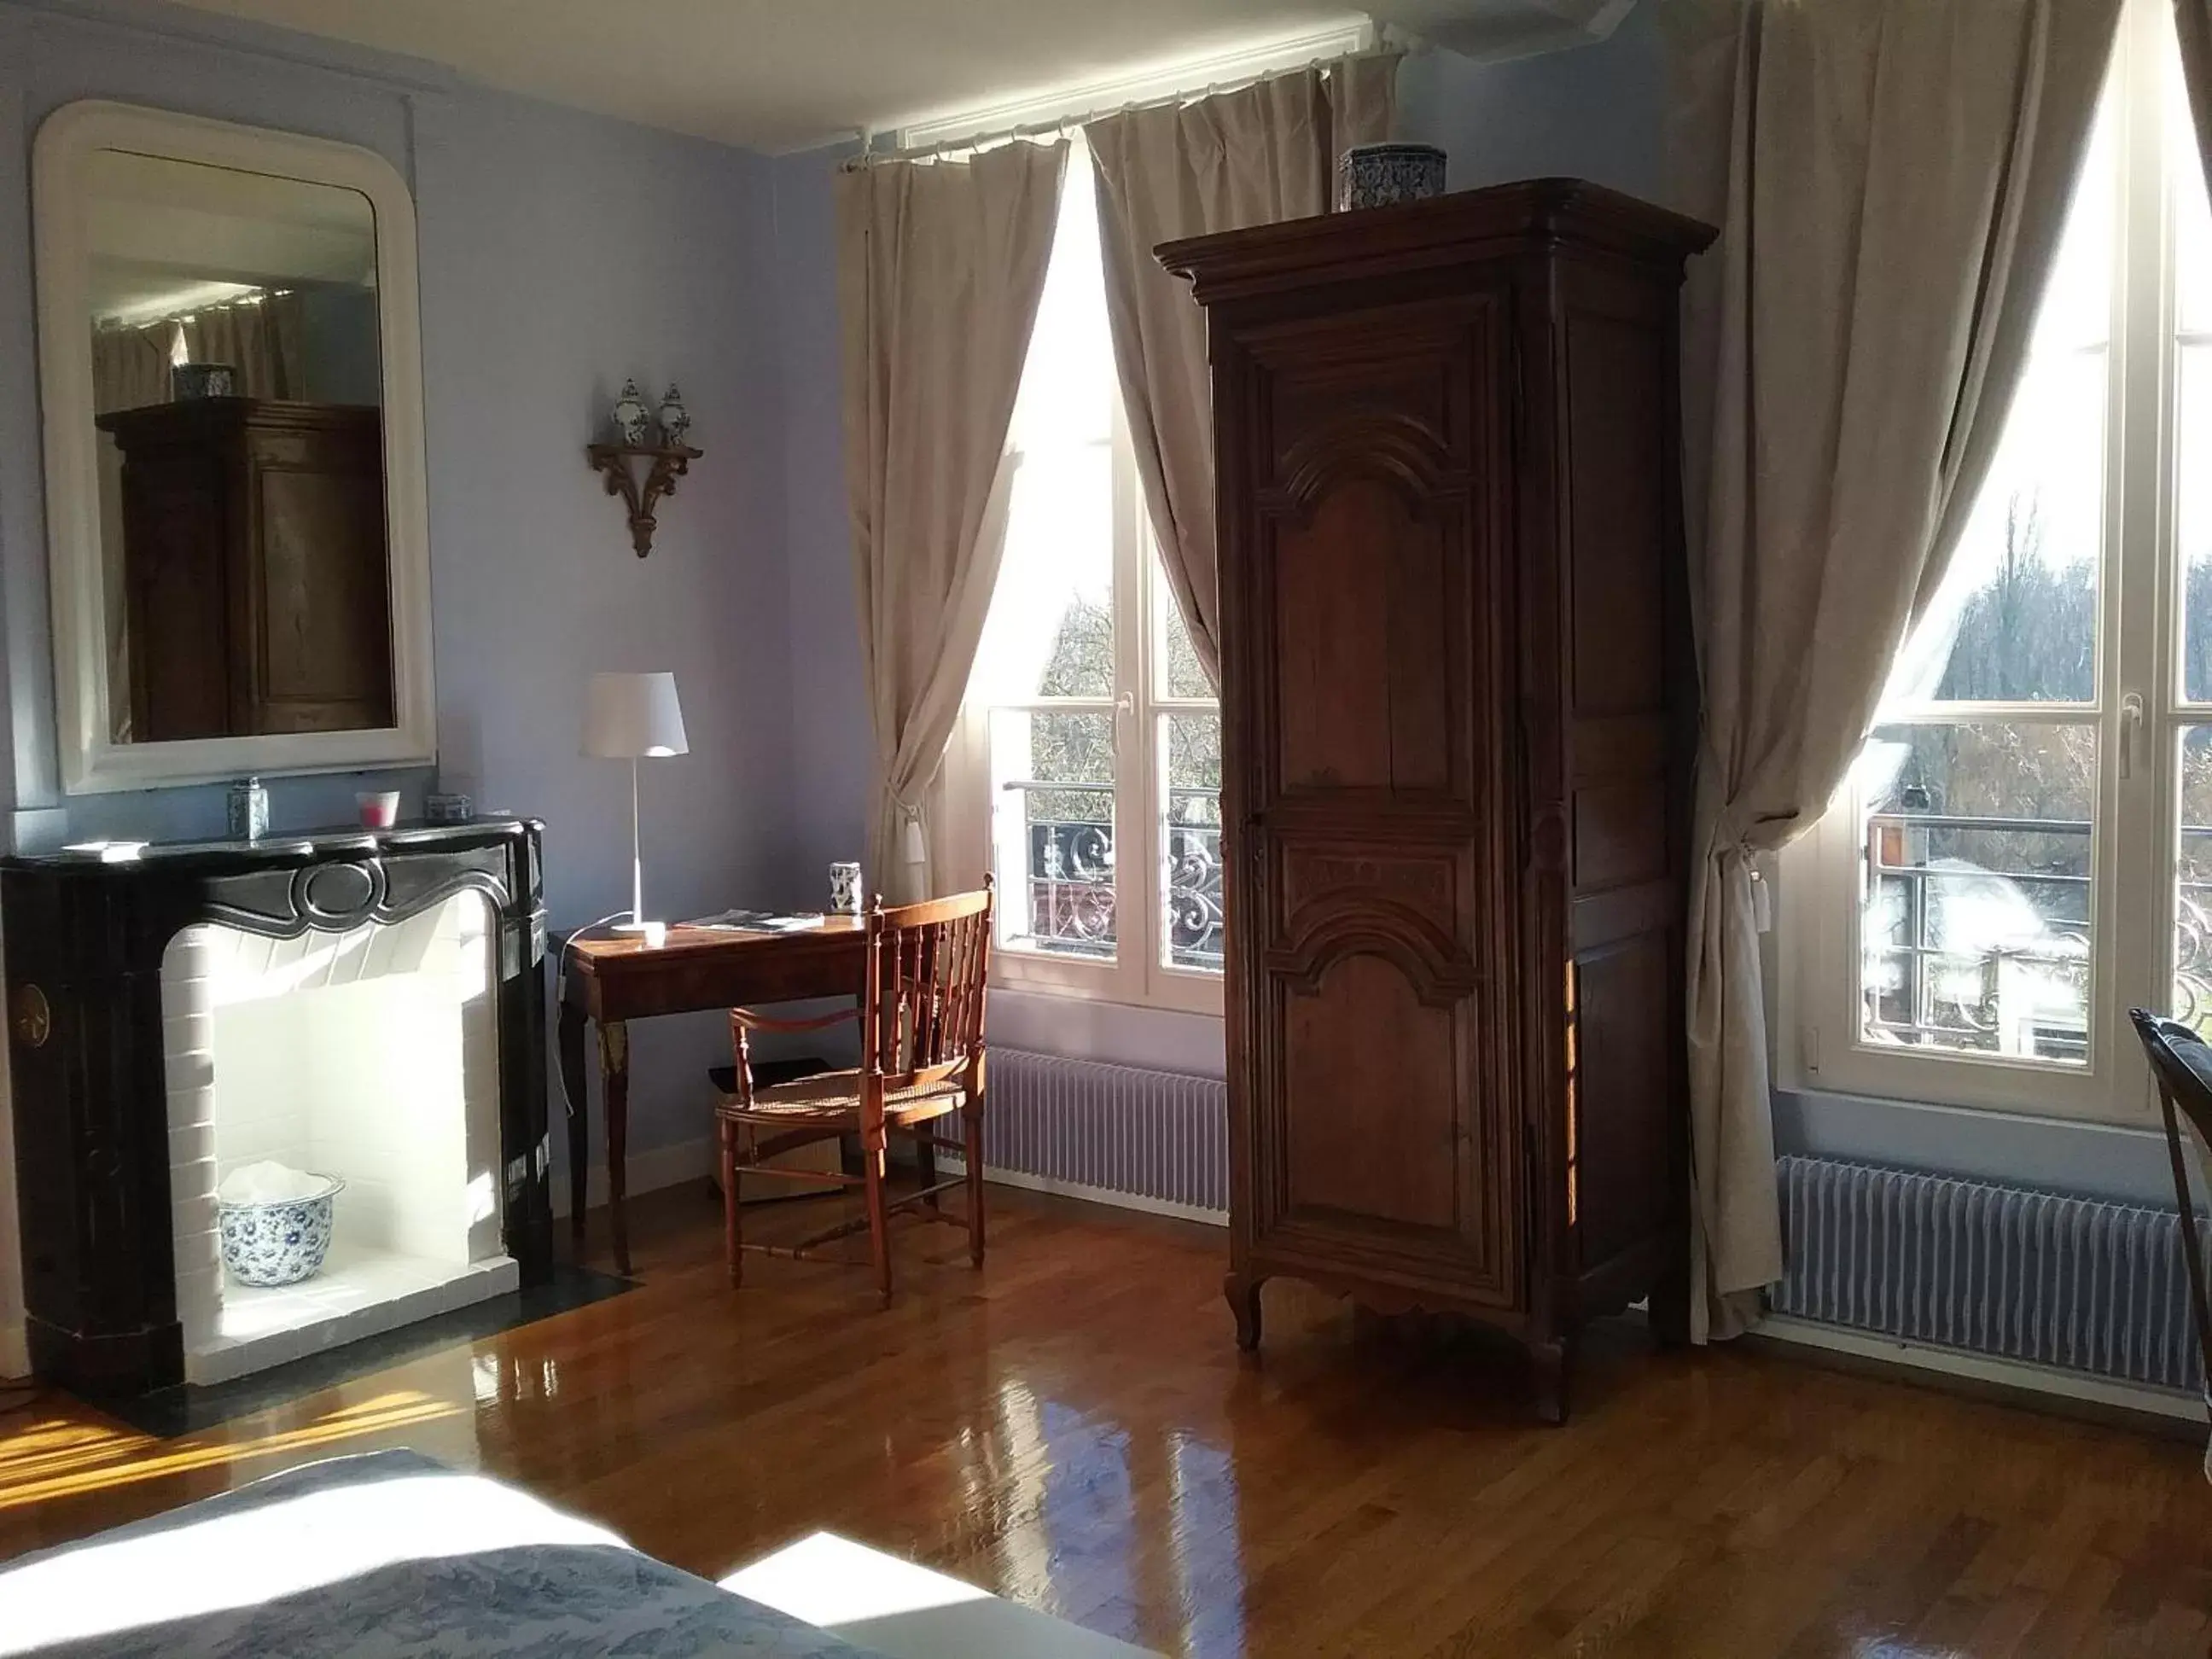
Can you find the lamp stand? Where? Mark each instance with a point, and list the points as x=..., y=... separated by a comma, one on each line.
x=637, y=923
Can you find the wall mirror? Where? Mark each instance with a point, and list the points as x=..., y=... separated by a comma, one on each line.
x=230, y=373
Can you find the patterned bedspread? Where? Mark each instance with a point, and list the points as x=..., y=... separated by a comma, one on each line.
x=389, y=1553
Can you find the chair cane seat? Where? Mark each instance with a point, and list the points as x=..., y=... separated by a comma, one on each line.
x=830, y=1098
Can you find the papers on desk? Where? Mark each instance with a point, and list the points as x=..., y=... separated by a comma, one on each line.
x=755, y=921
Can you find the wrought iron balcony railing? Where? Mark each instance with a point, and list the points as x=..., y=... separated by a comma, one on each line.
x=1069, y=836
x=1926, y=979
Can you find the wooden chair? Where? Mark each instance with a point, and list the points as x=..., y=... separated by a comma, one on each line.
x=921, y=1047
x=2181, y=1061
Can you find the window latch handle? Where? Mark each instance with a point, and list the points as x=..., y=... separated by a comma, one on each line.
x=2131, y=720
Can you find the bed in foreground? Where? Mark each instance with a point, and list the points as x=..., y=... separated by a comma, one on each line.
x=387, y=1553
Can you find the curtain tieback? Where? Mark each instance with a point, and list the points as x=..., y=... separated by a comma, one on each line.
x=915, y=846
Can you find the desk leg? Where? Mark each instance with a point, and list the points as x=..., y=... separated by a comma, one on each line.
x=580, y=1137
x=614, y=1075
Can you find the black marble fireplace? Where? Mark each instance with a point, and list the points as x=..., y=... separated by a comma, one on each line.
x=85, y=934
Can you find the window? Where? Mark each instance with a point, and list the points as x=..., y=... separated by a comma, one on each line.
x=1103, y=736
x=2024, y=847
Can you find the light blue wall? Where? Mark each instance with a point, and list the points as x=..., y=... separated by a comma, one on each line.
x=1595, y=111
x=558, y=253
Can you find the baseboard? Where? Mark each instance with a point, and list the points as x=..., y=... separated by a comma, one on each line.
x=951, y=1164
x=693, y=1160
x=15, y=1350
x=649, y=1171
x=2014, y=1382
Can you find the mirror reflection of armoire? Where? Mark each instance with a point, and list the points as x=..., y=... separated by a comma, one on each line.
x=253, y=555
x=1458, y=704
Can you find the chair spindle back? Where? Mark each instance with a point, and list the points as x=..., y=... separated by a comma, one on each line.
x=928, y=964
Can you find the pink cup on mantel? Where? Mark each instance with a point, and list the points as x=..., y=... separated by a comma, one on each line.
x=380, y=808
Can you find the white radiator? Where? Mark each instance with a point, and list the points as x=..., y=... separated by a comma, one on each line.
x=2071, y=1282
x=1120, y=1134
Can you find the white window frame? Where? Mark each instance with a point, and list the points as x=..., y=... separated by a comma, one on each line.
x=2138, y=714
x=1138, y=974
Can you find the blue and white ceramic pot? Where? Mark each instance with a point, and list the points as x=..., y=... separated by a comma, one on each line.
x=1383, y=176
x=280, y=1244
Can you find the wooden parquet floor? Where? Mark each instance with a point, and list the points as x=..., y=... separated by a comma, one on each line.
x=1073, y=1428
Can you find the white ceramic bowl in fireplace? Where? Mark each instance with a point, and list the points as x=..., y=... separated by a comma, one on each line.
x=279, y=1243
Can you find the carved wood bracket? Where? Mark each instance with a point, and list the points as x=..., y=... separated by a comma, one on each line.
x=641, y=490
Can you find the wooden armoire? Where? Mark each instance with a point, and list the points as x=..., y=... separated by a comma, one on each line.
x=1458, y=702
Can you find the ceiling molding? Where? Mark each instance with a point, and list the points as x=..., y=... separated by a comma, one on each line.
x=1185, y=76
x=775, y=77
x=1493, y=31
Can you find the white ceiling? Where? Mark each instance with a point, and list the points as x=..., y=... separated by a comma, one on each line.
x=775, y=75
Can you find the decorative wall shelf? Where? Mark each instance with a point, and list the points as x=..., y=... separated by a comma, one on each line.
x=642, y=489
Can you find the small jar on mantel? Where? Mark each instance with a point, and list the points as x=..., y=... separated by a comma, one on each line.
x=249, y=809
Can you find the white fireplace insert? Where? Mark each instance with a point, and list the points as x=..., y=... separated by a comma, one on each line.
x=370, y=1055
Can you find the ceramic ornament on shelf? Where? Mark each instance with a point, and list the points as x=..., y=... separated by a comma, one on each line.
x=675, y=419
x=630, y=417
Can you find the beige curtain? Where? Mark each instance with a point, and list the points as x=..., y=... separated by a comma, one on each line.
x=129, y=370
x=939, y=265
x=131, y=367
x=1263, y=153
x=261, y=341
x=1897, y=178
x=2192, y=21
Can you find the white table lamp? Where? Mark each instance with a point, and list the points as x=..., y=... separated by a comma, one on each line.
x=630, y=717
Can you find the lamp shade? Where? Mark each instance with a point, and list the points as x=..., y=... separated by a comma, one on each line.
x=629, y=715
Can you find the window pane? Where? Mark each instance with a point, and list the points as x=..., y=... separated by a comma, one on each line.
x=1051, y=831
x=1051, y=627
x=2020, y=604
x=2192, y=211
x=1050, y=633
x=2077, y=305
x=1068, y=391
x=2016, y=621
x=2192, y=516
x=1178, y=672
x=2192, y=895
x=1190, y=840
x=1975, y=932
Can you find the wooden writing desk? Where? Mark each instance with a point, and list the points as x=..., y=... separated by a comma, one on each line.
x=611, y=982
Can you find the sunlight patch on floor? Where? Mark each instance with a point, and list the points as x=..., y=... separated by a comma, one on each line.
x=52, y=1460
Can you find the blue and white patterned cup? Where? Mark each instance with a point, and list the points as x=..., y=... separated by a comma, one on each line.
x=845, y=889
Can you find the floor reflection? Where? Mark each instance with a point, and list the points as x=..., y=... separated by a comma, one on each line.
x=1137, y=1519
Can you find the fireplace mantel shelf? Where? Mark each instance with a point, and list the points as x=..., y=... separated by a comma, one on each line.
x=338, y=841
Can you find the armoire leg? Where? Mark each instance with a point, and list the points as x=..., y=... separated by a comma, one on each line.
x=1244, y=1296
x=1548, y=1364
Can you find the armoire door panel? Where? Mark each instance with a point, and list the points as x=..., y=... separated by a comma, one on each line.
x=1371, y=570
x=1374, y=1106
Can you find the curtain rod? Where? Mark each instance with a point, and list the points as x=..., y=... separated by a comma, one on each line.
x=1068, y=125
